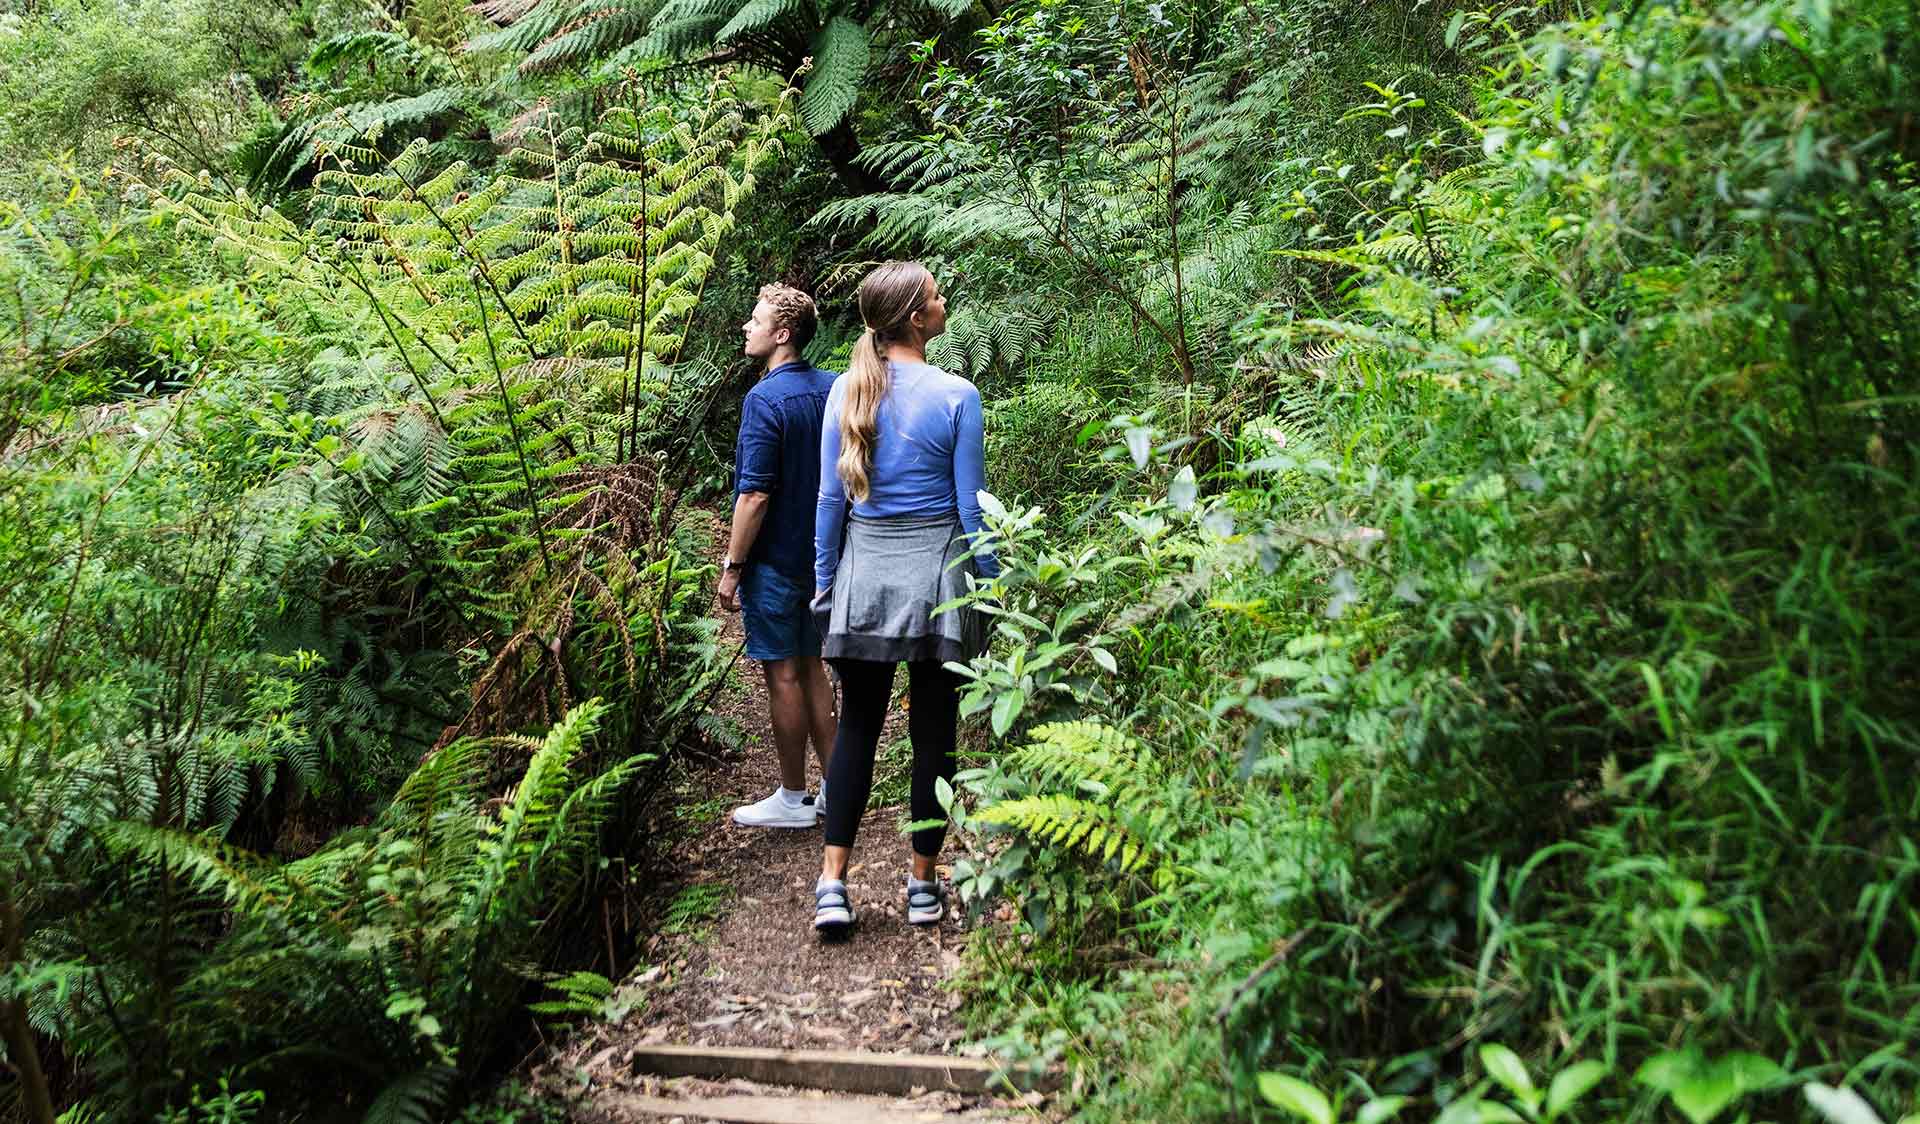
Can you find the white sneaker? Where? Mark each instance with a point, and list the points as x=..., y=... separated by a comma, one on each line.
x=777, y=810
x=820, y=802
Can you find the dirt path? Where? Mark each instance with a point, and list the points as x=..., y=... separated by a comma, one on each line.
x=734, y=960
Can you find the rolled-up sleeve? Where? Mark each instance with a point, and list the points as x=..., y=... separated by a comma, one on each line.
x=830, y=511
x=756, y=455
x=970, y=472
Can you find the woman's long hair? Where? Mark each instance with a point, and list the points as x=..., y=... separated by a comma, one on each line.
x=889, y=295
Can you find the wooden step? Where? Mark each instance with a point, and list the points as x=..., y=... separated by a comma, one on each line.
x=845, y=1071
x=787, y=1110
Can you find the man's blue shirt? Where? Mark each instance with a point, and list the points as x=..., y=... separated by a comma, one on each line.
x=779, y=453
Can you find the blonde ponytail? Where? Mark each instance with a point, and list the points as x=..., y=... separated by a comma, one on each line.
x=860, y=414
x=888, y=297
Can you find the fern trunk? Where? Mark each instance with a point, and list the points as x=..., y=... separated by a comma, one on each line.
x=841, y=146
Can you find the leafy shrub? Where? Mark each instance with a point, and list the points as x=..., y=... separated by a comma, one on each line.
x=1508, y=691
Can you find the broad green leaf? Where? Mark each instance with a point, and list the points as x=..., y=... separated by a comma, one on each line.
x=1572, y=1083
x=1751, y=1071
x=1182, y=492
x=1505, y=1066
x=1005, y=709
x=1453, y=27
x=1105, y=659
x=1280, y=668
x=1705, y=1095
x=991, y=504
x=1666, y=1070
x=1297, y=1097
x=1380, y=1109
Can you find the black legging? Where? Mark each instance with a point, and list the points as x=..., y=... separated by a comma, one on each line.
x=866, y=686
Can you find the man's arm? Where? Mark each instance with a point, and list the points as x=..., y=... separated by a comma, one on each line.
x=756, y=475
x=749, y=509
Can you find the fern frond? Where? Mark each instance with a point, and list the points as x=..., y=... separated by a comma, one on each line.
x=415, y=1098
x=841, y=52
x=592, y=34
x=753, y=15
x=250, y=884
x=532, y=808
x=1073, y=824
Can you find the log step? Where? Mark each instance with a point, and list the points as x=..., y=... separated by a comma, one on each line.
x=844, y=1071
x=786, y=1110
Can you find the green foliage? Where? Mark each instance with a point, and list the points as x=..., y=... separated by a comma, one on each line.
x=1453, y=470
x=833, y=51
x=371, y=921
x=584, y=993
x=405, y=484
x=1487, y=614
x=184, y=75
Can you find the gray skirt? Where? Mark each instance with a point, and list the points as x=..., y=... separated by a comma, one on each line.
x=893, y=572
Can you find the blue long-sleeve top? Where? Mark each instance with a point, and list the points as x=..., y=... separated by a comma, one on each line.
x=929, y=457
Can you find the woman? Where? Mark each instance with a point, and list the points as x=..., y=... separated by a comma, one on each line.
x=902, y=444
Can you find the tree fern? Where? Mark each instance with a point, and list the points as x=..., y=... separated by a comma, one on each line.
x=980, y=337
x=582, y=263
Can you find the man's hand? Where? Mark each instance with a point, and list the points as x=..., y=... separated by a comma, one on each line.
x=749, y=508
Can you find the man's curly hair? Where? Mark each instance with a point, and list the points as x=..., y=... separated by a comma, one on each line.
x=792, y=310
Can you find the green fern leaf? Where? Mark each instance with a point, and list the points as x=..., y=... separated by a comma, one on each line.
x=840, y=55
x=752, y=16
x=412, y=1099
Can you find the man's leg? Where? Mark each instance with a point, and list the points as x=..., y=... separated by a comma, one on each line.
x=787, y=709
x=822, y=723
x=770, y=627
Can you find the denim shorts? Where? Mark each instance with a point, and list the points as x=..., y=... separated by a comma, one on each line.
x=776, y=611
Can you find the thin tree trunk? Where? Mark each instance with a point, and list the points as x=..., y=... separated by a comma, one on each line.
x=22, y=1050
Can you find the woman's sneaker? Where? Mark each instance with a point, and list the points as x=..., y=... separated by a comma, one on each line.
x=926, y=901
x=832, y=908
x=777, y=810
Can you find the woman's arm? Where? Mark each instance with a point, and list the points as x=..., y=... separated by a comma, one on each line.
x=830, y=510
x=970, y=472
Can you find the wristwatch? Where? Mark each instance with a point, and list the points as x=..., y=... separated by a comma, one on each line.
x=728, y=564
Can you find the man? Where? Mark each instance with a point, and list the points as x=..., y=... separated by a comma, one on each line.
x=768, y=569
